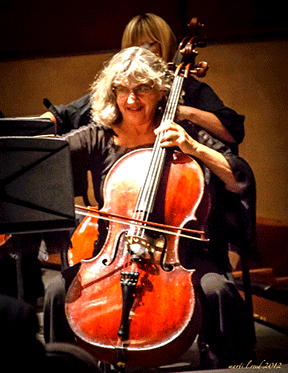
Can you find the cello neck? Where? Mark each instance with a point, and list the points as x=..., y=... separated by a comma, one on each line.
x=173, y=99
x=148, y=192
x=184, y=66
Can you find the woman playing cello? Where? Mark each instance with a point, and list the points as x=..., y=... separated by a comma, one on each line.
x=127, y=101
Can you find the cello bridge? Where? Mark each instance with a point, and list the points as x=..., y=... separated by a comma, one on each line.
x=140, y=248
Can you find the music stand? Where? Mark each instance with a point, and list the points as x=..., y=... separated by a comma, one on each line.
x=36, y=186
x=26, y=126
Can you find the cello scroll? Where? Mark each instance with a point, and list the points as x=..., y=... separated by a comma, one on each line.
x=184, y=59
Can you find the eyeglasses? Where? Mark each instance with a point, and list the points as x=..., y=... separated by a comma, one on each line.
x=139, y=91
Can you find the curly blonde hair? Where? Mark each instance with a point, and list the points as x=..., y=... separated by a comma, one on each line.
x=154, y=28
x=135, y=64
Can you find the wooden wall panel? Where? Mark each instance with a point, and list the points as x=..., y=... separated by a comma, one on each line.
x=61, y=27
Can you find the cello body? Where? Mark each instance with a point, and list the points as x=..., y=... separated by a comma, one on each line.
x=163, y=316
x=83, y=240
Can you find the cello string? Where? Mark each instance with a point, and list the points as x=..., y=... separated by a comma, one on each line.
x=148, y=192
x=146, y=199
x=158, y=163
x=157, y=156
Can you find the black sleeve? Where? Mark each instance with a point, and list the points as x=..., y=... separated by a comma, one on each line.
x=239, y=209
x=73, y=115
x=83, y=142
x=201, y=96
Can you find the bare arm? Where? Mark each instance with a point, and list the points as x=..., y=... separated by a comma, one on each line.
x=208, y=121
x=175, y=135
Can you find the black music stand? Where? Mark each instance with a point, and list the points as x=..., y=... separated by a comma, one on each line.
x=36, y=186
x=26, y=126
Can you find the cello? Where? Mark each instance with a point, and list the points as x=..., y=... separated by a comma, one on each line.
x=134, y=303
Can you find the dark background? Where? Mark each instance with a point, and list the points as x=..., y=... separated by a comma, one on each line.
x=33, y=28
